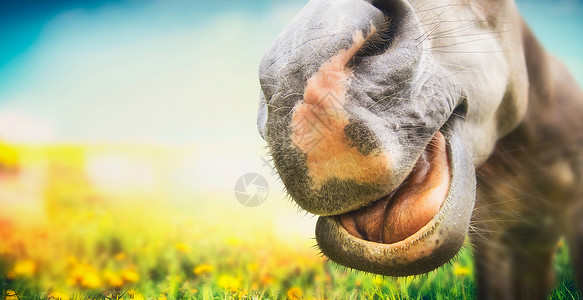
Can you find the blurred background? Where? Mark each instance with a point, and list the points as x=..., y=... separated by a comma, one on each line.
x=124, y=129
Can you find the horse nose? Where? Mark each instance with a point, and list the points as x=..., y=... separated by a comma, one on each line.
x=336, y=145
x=323, y=126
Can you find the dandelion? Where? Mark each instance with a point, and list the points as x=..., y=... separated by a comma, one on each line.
x=113, y=280
x=233, y=241
x=252, y=267
x=135, y=295
x=461, y=271
x=72, y=260
x=230, y=283
x=203, y=269
x=10, y=295
x=91, y=280
x=130, y=275
x=266, y=279
x=24, y=268
x=10, y=276
x=120, y=256
x=242, y=294
x=57, y=296
x=131, y=293
x=182, y=247
x=85, y=276
x=294, y=293
x=378, y=280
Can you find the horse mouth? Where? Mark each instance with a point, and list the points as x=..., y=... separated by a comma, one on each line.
x=411, y=206
x=418, y=226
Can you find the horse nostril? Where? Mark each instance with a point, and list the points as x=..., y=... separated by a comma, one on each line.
x=394, y=9
x=398, y=17
x=380, y=42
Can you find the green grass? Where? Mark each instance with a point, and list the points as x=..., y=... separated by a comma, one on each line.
x=171, y=276
x=87, y=244
x=132, y=252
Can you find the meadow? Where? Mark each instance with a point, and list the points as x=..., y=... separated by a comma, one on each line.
x=66, y=232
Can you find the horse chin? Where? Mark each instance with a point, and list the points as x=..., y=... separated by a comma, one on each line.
x=406, y=250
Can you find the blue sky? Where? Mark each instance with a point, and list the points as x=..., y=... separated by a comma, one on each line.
x=22, y=22
x=148, y=71
x=172, y=71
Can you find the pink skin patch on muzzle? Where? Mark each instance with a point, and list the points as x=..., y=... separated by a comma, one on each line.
x=319, y=120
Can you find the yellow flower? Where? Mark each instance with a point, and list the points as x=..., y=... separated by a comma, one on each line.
x=182, y=247
x=10, y=295
x=233, y=241
x=135, y=295
x=91, y=280
x=85, y=276
x=230, y=283
x=8, y=156
x=24, y=268
x=252, y=267
x=10, y=275
x=203, y=269
x=113, y=279
x=242, y=295
x=294, y=293
x=461, y=271
x=57, y=296
x=378, y=280
x=130, y=275
x=266, y=279
x=72, y=260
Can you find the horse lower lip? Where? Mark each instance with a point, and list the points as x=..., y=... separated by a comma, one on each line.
x=411, y=206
